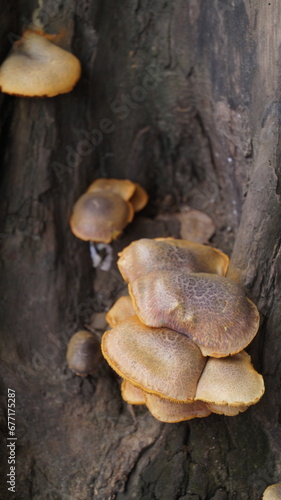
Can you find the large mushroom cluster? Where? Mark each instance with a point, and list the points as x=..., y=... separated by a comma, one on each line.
x=178, y=340
x=101, y=214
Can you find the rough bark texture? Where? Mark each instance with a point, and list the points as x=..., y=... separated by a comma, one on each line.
x=192, y=91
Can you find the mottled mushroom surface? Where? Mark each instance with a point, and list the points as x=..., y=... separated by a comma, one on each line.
x=230, y=381
x=38, y=67
x=211, y=310
x=121, y=310
x=272, y=492
x=83, y=353
x=157, y=360
x=147, y=255
x=172, y=412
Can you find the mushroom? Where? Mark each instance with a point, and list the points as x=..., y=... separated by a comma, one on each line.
x=38, y=67
x=272, y=492
x=211, y=310
x=172, y=412
x=147, y=255
x=120, y=311
x=100, y=216
x=83, y=353
x=157, y=360
x=132, y=394
x=230, y=384
x=128, y=190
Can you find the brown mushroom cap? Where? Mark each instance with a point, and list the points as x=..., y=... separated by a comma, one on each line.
x=157, y=360
x=37, y=67
x=132, y=394
x=120, y=311
x=272, y=492
x=123, y=187
x=172, y=412
x=100, y=216
x=211, y=310
x=147, y=255
x=230, y=381
x=83, y=353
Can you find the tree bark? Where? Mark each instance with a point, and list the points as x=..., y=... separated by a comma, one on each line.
x=182, y=97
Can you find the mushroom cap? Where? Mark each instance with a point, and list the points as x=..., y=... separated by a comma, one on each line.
x=121, y=310
x=172, y=412
x=272, y=492
x=147, y=255
x=230, y=381
x=123, y=187
x=100, y=216
x=37, y=67
x=211, y=310
x=157, y=360
x=132, y=394
x=139, y=199
x=83, y=353
x=230, y=411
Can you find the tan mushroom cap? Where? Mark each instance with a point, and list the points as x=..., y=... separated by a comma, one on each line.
x=230, y=381
x=132, y=394
x=272, y=492
x=172, y=412
x=100, y=216
x=83, y=353
x=211, y=310
x=120, y=311
x=123, y=187
x=37, y=67
x=147, y=255
x=157, y=360
x=139, y=199
x=229, y=411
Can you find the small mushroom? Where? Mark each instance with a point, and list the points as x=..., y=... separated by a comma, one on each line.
x=120, y=311
x=132, y=394
x=100, y=216
x=272, y=492
x=172, y=412
x=211, y=310
x=83, y=353
x=230, y=382
x=38, y=67
x=147, y=255
x=157, y=360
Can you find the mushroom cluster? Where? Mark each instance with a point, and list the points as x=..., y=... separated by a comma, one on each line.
x=38, y=67
x=101, y=214
x=178, y=340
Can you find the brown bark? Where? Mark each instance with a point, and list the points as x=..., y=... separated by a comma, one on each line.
x=191, y=89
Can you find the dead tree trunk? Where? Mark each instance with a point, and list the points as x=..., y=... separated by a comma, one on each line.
x=183, y=97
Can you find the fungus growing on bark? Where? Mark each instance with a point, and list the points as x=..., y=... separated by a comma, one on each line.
x=147, y=255
x=83, y=353
x=211, y=310
x=128, y=190
x=157, y=360
x=100, y=216
x=121, y=310
x=230, y=384
x=38, y=67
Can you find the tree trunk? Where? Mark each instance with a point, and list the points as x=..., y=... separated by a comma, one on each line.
x=181, y=97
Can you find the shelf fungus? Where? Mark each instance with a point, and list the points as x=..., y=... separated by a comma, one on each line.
x=83, y=354
x=103, y=212
x=178, y=341
x=37, y=67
